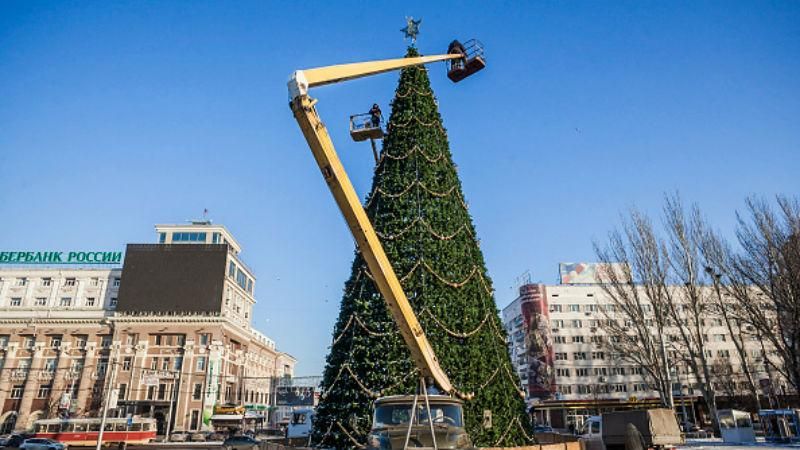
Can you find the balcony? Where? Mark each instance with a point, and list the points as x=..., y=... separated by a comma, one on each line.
x=19, y=374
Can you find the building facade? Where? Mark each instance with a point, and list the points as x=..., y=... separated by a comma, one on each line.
x=560, y=349
x=169, y=335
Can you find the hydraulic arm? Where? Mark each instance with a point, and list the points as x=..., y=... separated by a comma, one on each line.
x=319, y=140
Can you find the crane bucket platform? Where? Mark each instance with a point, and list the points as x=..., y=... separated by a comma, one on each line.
x=362, y=127
x=472, y=59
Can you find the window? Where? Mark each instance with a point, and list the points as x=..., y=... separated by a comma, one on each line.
x=113, y=302
x=162, y=391
x=562, y=372
x=16, y=391
x=561, y=356
x=123, y=388
x=55, y=341
x=620, y=388
x=16, y=301
x=574, y=308
x=76, y=366
x=47, y=282
x=22, y=281
x=65, y=301
x=132, y=338
x=4, y=340
x=577, y=324
x=617, y=371
x=69, y=282
x=115, y=283
x=558, y=324
x=162, y=238
x=241, y=279
x=102, y=365
x=94, y=281
x=724, y=353
x=583, y=389
x=29, y=342
x=126, y=363
x=597, y=339
x=600, y=371
x=194, y=423
x=232, y=269
x=80, y=341
x=151, y=392
x=165, y=364
x=577, y=339
x=44, y=391
x=582, y=372
x=178, y=363
x=637, y=371
x=197, y=393
x=559, y=339
x=590, y=308
x=565, y=389
x=50, y=365
x=555, y=308
x=40, y=301
x=204, y=338
x=105, y=341
x=154, y=363
x=598, y=355
x=579, y=356
x=719, y=337
x=89, y=301
x=188, y=237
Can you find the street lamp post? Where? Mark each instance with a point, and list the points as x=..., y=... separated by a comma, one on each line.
x=109, y=384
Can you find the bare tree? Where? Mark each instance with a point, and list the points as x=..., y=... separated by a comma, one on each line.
x=730, y=307
x=638, y=314
x=688, y=301
x=770, y=264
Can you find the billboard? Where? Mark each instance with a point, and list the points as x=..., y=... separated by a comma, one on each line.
x=170, y=278
x=294, y=396
x=588, y=273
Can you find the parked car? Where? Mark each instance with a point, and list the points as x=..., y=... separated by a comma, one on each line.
x=240, y=443
x=197, y=437
x=41, y=444
x=178, y=436
x=12, y=441
x=215, y=437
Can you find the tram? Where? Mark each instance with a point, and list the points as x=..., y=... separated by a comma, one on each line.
x=83, y=432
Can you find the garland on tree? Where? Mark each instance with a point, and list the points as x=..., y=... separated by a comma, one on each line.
x=418, y=210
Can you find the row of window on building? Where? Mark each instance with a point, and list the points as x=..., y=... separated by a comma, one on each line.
x=64, y=302
x=79, y=340
x=240, y=276
x=67, y=282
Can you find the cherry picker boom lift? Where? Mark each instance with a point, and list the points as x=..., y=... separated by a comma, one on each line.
x=461, y=64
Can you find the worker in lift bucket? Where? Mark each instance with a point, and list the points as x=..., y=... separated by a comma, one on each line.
x=375, y=114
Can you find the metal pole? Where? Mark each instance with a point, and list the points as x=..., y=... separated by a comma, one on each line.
x=109, y=386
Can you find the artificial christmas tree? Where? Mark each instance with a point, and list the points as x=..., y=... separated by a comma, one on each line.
x=418, y=210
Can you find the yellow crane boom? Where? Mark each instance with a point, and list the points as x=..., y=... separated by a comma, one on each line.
x=319, y=140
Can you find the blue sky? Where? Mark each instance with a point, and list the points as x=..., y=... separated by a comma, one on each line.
x=119, y=115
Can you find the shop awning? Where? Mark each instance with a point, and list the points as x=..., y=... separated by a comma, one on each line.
x=226, y=417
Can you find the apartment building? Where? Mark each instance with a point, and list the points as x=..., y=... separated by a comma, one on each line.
x=560, y=349
x=168, y=335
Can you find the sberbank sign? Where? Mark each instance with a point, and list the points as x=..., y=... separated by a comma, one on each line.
x=60, y=257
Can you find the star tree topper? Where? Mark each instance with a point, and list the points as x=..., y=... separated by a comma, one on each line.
x=411, y=29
